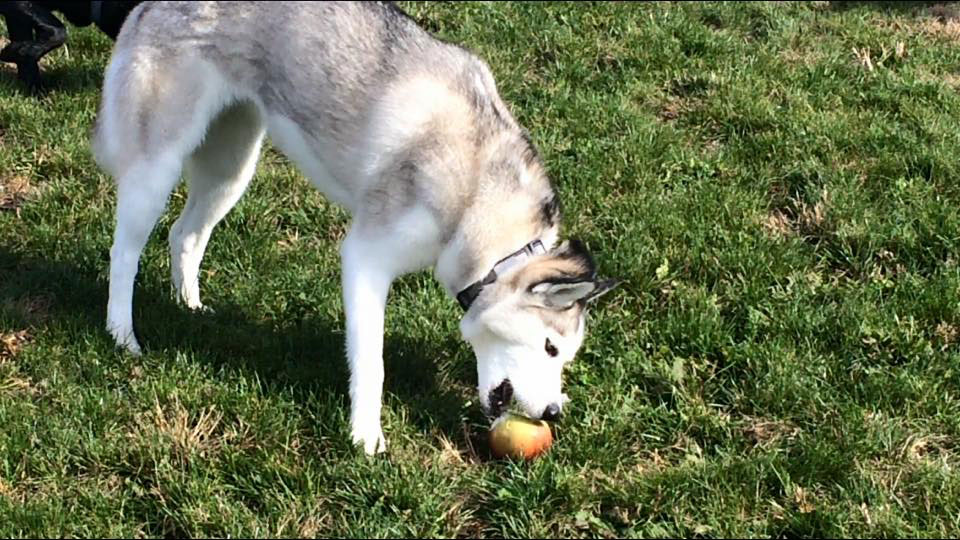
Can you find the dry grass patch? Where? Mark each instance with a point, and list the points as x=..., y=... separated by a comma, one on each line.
x=871, y=59
x=946, y=334
x=943, y=21
x=11, y=343
x=930, y=449
x=778, y=224
x=187, y=433
x=799, y=218
x=15, y=191
x=800, y=56
x=765, y=433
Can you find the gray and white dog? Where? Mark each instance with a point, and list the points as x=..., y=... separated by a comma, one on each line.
x=405, y=131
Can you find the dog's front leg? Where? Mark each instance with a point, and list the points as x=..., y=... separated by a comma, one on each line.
x=366, y=282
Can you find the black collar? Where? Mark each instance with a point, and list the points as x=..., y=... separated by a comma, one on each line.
x=468, y=295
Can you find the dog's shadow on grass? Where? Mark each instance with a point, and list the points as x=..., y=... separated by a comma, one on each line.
x=303, y=359
x=71, y=77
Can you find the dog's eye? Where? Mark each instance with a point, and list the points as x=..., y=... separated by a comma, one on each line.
x=550, y=348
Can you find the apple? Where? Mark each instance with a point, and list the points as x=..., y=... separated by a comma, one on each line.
x=517, y=436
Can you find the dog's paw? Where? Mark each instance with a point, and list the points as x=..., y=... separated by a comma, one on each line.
x=191, y=301
x=126, y=341
x=131, y=347
x=201, y=309
x=371, y=439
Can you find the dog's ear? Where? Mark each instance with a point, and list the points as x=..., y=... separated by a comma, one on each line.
x=566, y=277
x=602, y=288
x=562, y=294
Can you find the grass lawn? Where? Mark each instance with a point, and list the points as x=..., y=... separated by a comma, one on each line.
x=777, y=183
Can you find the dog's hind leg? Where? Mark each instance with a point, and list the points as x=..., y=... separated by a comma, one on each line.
x=218, y=173
x=141, y=198
x=154, y=115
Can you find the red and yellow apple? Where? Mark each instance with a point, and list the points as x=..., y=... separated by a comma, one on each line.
x=517, y=436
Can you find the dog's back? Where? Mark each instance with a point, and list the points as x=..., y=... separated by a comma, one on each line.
x=341, y=78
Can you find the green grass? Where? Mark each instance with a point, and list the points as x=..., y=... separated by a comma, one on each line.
x=781, y=360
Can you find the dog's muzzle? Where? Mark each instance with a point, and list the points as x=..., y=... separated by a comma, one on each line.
x=499, y=398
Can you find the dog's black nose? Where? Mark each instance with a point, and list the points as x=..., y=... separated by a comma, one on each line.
x=551, y=413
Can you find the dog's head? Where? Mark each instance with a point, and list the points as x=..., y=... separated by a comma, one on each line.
x=527, y=325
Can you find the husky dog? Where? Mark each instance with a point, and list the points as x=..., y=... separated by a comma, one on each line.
x=405, y=131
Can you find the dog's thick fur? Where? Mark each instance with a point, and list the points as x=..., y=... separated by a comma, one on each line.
x=35, y=30
x=405, y=131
